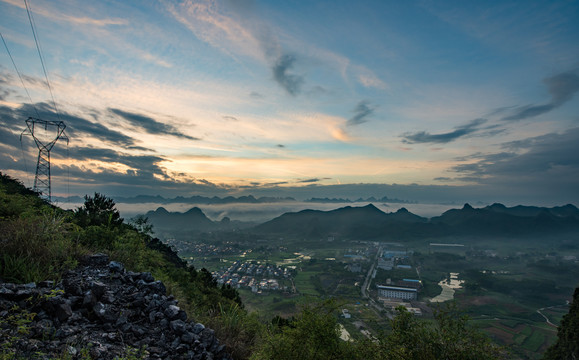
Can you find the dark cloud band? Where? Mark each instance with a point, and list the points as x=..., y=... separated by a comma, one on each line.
x=150, y=125
x=562, y=88
x=426, y=137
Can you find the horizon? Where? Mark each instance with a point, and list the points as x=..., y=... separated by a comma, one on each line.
x=265, y=211
x=423, y=102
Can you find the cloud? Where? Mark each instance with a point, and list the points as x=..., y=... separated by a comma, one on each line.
x=143, y=165
x=305, y=181
x=256, y=95
x=562, y=87
x=76, y=127
x=545, y=164
x=529, y=111
x=290, y=82
x=211, y=23
x=361, y=113
x=371, y=81
x=56, y=15
x=5, y=79
x=426, y=137
x=150, y=125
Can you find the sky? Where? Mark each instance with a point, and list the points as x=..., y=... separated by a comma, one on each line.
x=427, y=101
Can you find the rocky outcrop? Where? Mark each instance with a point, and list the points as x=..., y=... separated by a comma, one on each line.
x=100, y=311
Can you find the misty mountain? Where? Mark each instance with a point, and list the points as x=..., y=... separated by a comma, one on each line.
x=194, y=219
x=368, y=222
x=498, y=219
x=519, y=210
x=372, y=199
x=361, y=222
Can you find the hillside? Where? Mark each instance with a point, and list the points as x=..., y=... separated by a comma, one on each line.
x=41, y=246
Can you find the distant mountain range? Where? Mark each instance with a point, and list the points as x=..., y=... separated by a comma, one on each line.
x=249, y=199
x=369, y=222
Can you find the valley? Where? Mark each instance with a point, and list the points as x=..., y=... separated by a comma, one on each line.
x=516, y=288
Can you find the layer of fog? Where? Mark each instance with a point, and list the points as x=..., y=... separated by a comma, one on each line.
x=260, y=213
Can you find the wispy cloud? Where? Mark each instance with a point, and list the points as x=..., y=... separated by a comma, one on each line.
x=290, y=82
x=562, y=88
x=371, y=81
x=459, y=132
x=256, y=95
x=150, y=125
x=361, y=113
x=211, y=24
x=78, y=20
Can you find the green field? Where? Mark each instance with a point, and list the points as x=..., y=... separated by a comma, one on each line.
x=505, y=282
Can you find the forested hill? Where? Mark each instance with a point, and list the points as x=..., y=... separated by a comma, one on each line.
x=369, y=222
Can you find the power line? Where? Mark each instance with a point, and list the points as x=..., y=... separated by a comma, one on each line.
x=19, y=75
x=41, y=58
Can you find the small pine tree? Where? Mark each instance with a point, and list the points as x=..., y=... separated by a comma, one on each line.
x=98, y=210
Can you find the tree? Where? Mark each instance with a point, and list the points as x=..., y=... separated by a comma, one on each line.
x=142, y=224
x=312, y=334
x=567, y=345
x=98, y=210
x=449, y=337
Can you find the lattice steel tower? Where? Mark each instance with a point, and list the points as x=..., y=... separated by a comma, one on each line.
x=45, y=134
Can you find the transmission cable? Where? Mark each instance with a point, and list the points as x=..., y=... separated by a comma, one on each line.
x=19, y=75
x=30, y=18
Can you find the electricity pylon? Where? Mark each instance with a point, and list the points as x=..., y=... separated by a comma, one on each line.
x=45, y=134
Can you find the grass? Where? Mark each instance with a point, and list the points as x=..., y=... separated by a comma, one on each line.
x=533, y=343
x=304, y=285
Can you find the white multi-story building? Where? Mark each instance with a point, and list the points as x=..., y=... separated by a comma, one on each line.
x=397, y=292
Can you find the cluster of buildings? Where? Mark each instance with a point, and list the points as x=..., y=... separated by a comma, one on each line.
x=190, y=251
x=257, y=277
x=397, y=292
x=406, y=289
x=401, y=293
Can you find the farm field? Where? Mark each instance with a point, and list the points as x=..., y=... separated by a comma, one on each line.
x=502, y=286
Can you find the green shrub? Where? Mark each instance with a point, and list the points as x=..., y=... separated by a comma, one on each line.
x=37, y=247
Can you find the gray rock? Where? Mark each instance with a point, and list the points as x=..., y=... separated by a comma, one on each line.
x=116, y=267
x=178, y=326
x=98, y=289
x=110, y=308
x=63, y=311
x=98, y=259
x=147, y=277
x=89, y=300
x=172, y=311
x=198, y=328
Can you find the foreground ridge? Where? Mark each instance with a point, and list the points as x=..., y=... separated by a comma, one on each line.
x=101, y=311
